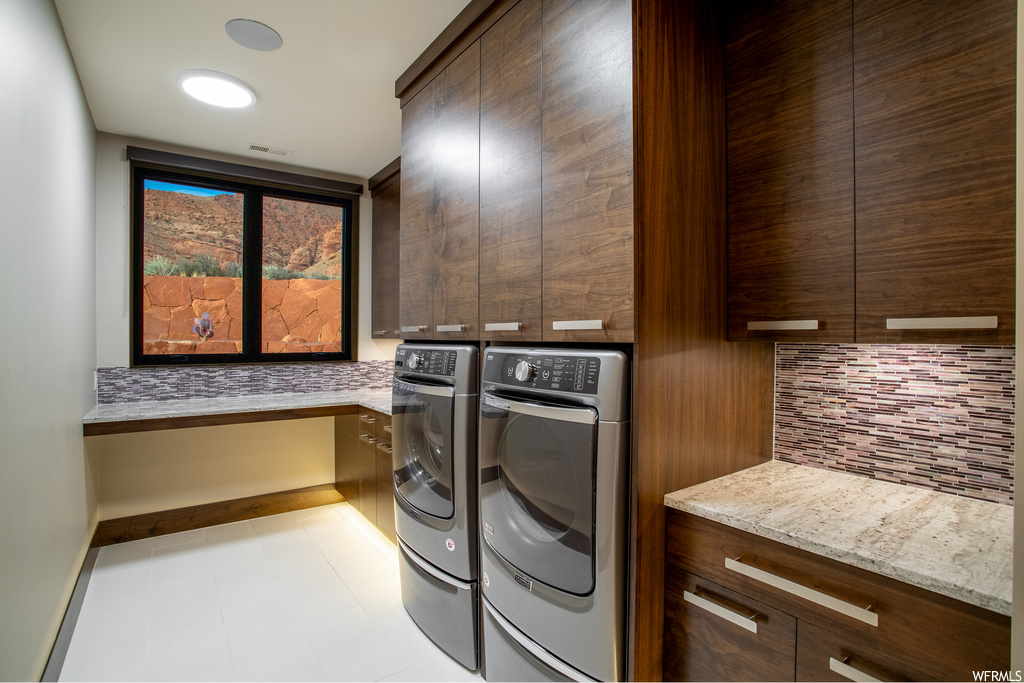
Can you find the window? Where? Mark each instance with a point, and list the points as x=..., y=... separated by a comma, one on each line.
x=238, y=264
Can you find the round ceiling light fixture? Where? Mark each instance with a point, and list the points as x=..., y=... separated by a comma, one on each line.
x=253, y=35
x=213, y=87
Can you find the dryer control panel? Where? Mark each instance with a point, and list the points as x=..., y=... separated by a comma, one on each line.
x=425, y=361
x=553, y=372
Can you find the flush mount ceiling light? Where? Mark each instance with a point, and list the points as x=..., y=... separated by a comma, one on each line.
x=216, y=88
x=253, y=35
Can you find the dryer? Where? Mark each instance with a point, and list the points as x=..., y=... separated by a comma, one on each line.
x=434, y=418
x=554, y=465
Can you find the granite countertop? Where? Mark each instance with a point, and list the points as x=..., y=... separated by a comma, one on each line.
x=376, y=399
x=955, y=546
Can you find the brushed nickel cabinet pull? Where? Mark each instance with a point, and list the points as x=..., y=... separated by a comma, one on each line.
x=977, y=322
x=801, y=591
x=844, y=669
x=747, y=623
x=577, y=325
x=755, y=325
x=380, y=331
x=413, y=328
x=451, y=328
x=503, y=327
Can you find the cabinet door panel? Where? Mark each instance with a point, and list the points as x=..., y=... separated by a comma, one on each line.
x=790, y=130
x=455, y=218
x=510, y=174
x=385, y=263
x=385, y=489
x=416, y=251
x=588, y=168
x=817, y=652
x=703, y=646
x=935, y=166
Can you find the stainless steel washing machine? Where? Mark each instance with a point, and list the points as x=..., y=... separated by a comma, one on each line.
x=434, y=418
x=554, y=465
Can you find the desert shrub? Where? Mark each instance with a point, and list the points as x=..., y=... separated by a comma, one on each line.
x=279, y=273
x=233, y=269
x=161, y=265
x=199, y=265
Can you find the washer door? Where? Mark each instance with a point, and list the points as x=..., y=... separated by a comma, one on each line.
x=537, y=489
x=422, y=425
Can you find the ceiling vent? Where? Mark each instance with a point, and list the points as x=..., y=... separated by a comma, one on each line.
x=274, y=151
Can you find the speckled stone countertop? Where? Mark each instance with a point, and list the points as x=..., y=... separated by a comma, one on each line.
x=376, y=399
x=956, y=546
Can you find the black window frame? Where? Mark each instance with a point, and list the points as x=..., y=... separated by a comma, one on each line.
x=254, y=183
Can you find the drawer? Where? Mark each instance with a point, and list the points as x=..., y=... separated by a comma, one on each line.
x=367, y=420
x=941, y=636
x=824, y=656
x=384, y=426
x=715, y=634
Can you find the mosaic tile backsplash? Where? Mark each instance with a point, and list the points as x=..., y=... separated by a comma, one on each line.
x=939, y=417
x=124, y=385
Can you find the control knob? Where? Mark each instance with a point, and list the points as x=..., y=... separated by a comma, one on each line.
x=415, y=360
x=525, y=372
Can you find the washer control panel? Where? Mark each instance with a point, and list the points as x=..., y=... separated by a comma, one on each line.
x=554, y=372
x=426, y=361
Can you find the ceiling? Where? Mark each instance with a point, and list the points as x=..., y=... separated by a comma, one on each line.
x=328, y=94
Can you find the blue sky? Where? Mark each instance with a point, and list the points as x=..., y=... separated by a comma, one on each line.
x=184, y=189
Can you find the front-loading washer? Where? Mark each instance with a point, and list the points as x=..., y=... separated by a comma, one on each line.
x=554, y=465
x=434, y=418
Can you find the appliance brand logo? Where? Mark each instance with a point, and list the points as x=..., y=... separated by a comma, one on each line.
x=488, y=528
x=523, y=581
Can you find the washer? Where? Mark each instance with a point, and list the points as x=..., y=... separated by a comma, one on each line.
x=554, y=464
x=434, y=418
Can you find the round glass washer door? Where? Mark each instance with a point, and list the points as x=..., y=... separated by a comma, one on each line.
x=422, y=444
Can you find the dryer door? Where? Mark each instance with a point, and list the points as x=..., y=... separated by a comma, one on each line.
x=537, y=489
x=421, y=429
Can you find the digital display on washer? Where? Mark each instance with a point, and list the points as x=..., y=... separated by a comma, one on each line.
x=577, y=374
x=428, y=362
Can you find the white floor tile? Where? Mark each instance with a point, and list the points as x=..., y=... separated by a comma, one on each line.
x=265, y=527
x=260, y=627
x=109, y=649
x=350, y=648
x=295, y=665
x=243, y=575
x=190, y=655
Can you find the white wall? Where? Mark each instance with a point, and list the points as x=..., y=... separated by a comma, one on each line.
x=113, y=244
x=48, y=332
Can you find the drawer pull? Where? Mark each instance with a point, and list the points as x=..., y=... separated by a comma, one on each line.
x=723, y=612
x=451, y=328
x=754, y=325
x=380, y=331
x=503, y=327
x=817, y=597
x=577, y=325
x=844, y=669
x=413, y=328
x=977, y=322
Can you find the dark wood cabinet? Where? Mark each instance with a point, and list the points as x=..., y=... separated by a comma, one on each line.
x=935, y=112
x=363, y=466
x=789, y=71
x=587, y=185
x=510, y=176
x=384, y=483
x=860, y=619
x=439, y=252
x=902, y=232
x=385, y=191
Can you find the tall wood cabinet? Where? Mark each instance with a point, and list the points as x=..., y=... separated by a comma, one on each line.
x=439, y=252
x=385, y=191
x=871, y=171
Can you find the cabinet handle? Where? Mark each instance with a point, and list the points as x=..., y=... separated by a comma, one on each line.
x=754, y=325
x=451, y=328
x=723, y=612
x=387, y=428
x=380, y=332
x=800, y=591
x=577, y=325
x=978, y=322
x=413, y=328
x=844, y=669
x=503, y=327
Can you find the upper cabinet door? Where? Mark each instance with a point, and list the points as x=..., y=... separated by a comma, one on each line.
x=790, y=178
x=384, y=285
x=510, y=176
x=416, y=251
x=935, y=169
x=588, y=171
x=455, y=215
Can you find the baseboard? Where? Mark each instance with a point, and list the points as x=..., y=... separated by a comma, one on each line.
x=211, y=514
x=67, y=625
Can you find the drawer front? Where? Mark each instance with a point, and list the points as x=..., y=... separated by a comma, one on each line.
x=824, y=656
x=932, y=632
x=367, y=420
x=715, y=634
x=385, y=489
x=383, y=425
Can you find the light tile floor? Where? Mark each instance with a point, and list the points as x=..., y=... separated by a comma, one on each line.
x=311, y=595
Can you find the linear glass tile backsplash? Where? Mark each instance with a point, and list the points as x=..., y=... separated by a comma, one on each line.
x=935, y=416
x=125, y=385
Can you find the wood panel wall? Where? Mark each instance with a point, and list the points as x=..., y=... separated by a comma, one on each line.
x=702, y=406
